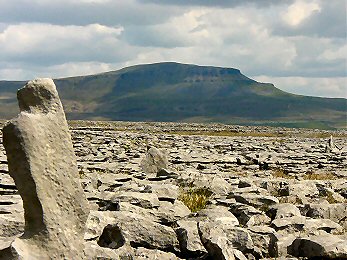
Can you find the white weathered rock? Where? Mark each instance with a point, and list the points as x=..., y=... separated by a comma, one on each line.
x=167, y=192
x=303, y=189
x=43, y=165
x=300, y=223
x=284, y=241
x=286, y=210
x=290, y=224
x=217, y=214
x=322, y=224
x=11, y=225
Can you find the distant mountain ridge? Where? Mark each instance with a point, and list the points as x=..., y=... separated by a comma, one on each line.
x=180, y=92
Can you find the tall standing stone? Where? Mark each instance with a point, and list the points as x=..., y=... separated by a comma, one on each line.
x=43, y=165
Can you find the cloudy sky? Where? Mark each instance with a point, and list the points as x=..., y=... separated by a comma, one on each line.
x=299, y=45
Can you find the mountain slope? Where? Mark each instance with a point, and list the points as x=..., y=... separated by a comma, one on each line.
x=180, y=92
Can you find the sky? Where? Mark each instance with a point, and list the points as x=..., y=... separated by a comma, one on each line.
x=298, y=45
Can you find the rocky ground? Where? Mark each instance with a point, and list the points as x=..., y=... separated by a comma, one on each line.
x=191, y=191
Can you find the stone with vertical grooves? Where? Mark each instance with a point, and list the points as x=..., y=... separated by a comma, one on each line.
x=43, y=165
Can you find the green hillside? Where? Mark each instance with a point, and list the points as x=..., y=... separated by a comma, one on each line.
x=179, y=92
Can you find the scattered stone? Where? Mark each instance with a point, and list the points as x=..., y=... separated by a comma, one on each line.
x=300, y=223
x=138, y=231
x=218, y=236
x=248, y=215
x=215, y=241
x=168, y=213
x=144, y=253
x=299, y=191
x=256, y=200
x=164, y=174
x=217, y=214
x=335, y=212
x=189, y=239
x=154, y=161
x=265, y=239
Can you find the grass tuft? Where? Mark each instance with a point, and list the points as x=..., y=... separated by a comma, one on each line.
x=330, y=198
x=224, y=133
x=281, y=173
x=81, y=174
x=195, y=198
x=319, y=176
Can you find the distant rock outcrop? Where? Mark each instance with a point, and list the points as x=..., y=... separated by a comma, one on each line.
x=175, y=92
x=43, y=165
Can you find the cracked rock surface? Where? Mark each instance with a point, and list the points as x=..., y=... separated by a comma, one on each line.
x=274, y=192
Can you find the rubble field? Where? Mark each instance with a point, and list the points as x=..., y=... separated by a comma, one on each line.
x=203, y=191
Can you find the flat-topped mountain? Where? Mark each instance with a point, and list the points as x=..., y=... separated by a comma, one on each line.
x=179, y=92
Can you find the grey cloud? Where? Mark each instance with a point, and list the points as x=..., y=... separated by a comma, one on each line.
x=309, y=61
x=235, y=33
x=153, y=36
x=70, y=13
x=300, y=56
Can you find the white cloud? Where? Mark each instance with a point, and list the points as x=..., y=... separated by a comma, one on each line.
x=335, y=54
x=54, y=44
x=299, y=11
x=70, y=69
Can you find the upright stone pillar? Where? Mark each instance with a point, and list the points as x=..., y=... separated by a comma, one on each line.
x=43, y=165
